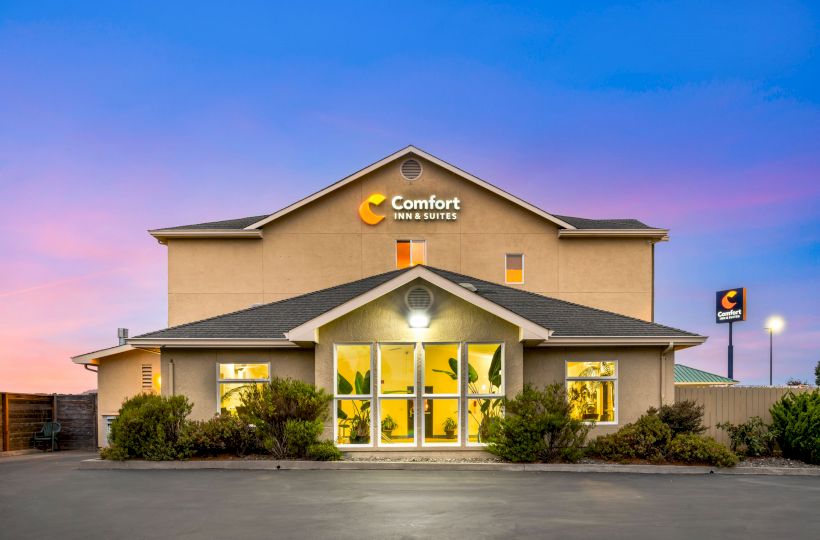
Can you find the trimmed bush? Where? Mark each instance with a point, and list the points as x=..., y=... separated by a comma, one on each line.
x=324, y=451
x=301, y=434
x=681, y=417
x=796, y=423
x=270, y=407
x=752, y=438
x=538, y=427
x=697, y=450
x=222, y=434
x=646, y=439
x=150, y=427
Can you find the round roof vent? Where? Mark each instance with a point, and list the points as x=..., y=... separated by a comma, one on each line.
x=411, y=169
x=418, y=298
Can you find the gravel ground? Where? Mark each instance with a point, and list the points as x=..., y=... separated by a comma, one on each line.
x=776, y=462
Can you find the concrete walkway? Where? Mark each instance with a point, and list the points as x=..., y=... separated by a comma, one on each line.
x=291, y=465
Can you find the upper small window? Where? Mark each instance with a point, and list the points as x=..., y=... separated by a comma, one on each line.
x=514, y=270
x=410, y=253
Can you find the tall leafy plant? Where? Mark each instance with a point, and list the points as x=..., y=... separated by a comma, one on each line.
x=491, y=408
x=359, y=422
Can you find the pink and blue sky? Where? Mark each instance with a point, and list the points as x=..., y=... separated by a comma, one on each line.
x=117, y=118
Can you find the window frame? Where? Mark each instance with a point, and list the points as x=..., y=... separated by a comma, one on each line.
x=615, y=396
x=220, y=381
x=458, y=396
x=379, y=396
x=468, y=396
x=423, y=242
x=354, y=397
x=523, y=279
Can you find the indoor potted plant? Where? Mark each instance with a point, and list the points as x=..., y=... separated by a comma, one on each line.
x=450, y=427
x=388, y=425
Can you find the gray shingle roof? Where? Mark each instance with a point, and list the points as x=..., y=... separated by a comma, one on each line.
x=584, y=223
x=271, y=321
x=228, y=224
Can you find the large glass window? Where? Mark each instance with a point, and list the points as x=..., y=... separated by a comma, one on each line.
x=441, y=393
x=233, y=378
x=485, y=389
x=397, y=394
x=592, y=390
x=353, y=394
x=410, y=253
x=514, y=268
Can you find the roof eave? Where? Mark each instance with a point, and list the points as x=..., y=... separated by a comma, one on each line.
x=679, y=342
x=92, y=358
x=162, y=235
x=226, y=343
x=660, y=235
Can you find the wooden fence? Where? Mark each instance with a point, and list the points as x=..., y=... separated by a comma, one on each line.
x=733, y=404
x=21, y=415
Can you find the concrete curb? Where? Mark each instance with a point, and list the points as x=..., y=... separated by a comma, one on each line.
x=288, y=465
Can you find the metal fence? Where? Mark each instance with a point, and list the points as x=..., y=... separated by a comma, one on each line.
x=734, y=404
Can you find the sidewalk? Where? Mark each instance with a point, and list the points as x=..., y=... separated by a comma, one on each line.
x=285, y=465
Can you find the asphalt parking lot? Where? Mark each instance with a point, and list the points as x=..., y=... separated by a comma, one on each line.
x=47, y=496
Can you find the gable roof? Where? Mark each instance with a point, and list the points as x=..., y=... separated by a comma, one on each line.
x=561, y=322
x=254, y=223
x=685, y=375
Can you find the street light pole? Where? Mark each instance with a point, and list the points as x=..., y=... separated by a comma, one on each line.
x=771, y=350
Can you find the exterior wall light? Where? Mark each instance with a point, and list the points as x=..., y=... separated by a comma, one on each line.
x=419, y=320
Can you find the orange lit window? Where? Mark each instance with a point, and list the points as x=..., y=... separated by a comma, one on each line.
x=514, y=271
x=410, y=253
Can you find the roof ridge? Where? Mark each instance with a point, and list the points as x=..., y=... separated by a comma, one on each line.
x=627, y=317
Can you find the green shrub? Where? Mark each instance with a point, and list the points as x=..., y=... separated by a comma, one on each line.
x=796, y=423
x=270, y=406
x=646, y=439
x=150, y=427
x=696, y=449
x=324, y=451
x=538, y=427
x=299, y=435
x=222, y=434
x=752, y=438
x=681, y=417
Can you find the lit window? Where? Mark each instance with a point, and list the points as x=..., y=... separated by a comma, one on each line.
x=353, y=395
x=397, y=393
x=232, y=379
x=441, y=394
x=592, y=389
x=514, y=269
x=410, y=253
x=485, y=389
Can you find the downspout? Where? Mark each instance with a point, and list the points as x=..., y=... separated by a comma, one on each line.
x=88, y=367
x=171, y=375
x=669, y=348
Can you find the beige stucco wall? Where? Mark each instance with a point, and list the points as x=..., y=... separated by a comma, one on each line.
x=645, y=376
x=120, y=377
x=452, y=320
x=325, y=243
x=195, y=371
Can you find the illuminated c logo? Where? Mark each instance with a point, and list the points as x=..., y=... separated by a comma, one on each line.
x=366, y=213
x=726, y=301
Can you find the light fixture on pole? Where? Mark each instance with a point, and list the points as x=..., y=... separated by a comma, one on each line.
x=774, y=324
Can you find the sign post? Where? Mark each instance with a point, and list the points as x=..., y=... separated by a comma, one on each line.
x=730, y=306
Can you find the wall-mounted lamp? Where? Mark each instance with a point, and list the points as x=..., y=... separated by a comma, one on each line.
x=419, y=320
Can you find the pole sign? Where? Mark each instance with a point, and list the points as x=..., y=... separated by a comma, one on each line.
x=730, y=305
